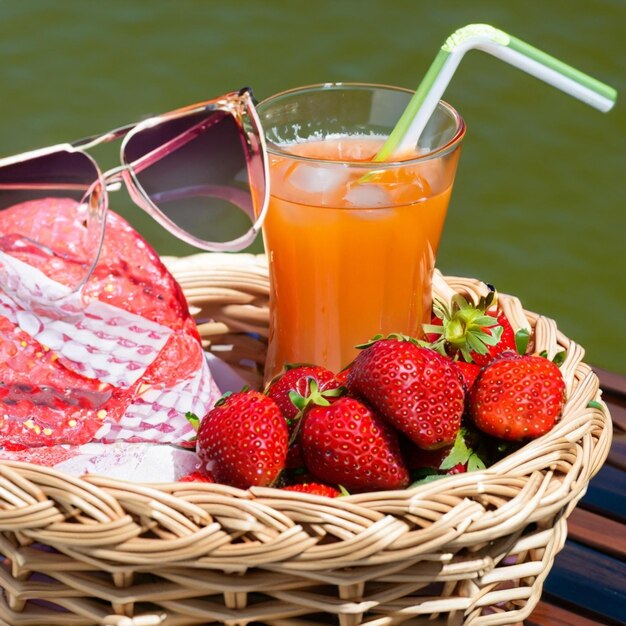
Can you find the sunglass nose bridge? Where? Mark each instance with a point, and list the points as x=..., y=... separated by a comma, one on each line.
x=114, y=178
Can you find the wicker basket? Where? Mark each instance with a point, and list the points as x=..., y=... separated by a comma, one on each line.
x=467, y=549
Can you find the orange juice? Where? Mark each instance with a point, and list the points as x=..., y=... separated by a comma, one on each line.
x=351, y=252
x=351, y=243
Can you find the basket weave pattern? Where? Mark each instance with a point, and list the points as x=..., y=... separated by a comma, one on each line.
x=469, y=549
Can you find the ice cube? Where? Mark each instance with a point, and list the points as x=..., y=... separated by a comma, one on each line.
x=367, y=196
x=316, y=178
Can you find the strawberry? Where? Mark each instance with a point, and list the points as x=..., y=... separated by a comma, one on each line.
x=342, y=376
x=459, y=468
x=412, y=387
x=518, y=398
x=317, y=489
x=469, y=373
x=294, y=453
x=197, y=477
x=474, y=333
x=417, y=459
x=293, y=389
x=242, y=441
x=347, y=444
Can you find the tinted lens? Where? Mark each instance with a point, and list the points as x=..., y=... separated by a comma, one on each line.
x=195, y=170
x=51, y=212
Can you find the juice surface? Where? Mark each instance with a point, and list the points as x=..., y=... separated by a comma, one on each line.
x=349, y=258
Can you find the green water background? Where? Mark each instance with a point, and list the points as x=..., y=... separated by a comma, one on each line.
x=538, y=205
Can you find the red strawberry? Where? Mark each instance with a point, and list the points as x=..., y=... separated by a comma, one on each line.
x=317, y=489
x=469, y=373
x=414, y=388
x=347, y=444
x=518, y=398
x=242, y=441
x=416, y=458
x=291, y=389
x=197, y=477
x=294, y=453
x=475, y=333
x=342, y=376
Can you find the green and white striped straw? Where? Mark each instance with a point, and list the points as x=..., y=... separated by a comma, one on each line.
x=407, y=131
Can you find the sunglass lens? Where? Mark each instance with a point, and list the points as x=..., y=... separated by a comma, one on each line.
x=51, y=214
x=194, y=169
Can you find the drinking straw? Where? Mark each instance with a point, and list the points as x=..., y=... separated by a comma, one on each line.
x=407, y=131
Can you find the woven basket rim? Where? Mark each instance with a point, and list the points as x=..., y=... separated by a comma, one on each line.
x=573, y=368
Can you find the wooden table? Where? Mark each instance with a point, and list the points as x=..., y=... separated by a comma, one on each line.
x=587, y=584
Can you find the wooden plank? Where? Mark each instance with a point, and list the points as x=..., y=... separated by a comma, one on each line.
x=617, y=453
x=614, y=394
x=584, y=578
x=597, y=532
x=546, y=614
x=588, y=577
x=610, y=381
x=606, y=494
x=618, y=413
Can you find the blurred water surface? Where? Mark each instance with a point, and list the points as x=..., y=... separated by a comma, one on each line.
x=538, y=206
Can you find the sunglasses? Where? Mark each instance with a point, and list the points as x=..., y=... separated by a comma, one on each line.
x=200, y=171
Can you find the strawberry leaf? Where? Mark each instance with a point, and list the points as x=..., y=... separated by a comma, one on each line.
x=493, y=337
x=462, y=454
x=334, y=393
x=297, y=400
x=293, y=366
x=466, y=328
x=486, y=320
x=522, y=337
x=476, y=344
x=193, y=419
x=459, y=454
x=425, y=475
x=559, y=358
x=490, y=299
x=432, y=329
x=475, y=463
x=367, y=344
x=223, y=399
x=460, y=302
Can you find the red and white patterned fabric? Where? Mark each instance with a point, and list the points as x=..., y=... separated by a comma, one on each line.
x=119, y=362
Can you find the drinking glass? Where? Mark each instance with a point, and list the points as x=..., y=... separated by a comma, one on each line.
x=351, y=243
